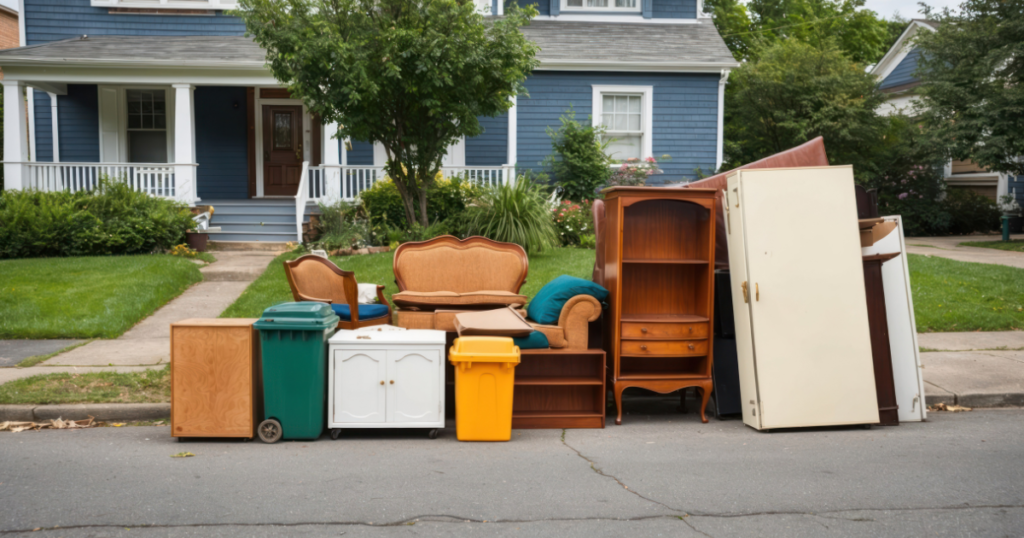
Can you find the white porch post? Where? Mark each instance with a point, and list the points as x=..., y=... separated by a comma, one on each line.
x=54, y=127
x=184, y=144
x=15, y=136
x=332, y=161
x=513, y=148
x=719, y=153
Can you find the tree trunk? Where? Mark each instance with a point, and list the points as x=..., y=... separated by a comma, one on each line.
x=424, y=217
x=409, y=196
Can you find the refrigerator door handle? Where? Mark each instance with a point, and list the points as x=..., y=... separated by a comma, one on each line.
x=746, y=293
x=757, y=292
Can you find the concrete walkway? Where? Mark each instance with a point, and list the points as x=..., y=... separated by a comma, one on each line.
x=147, y=344
x=949, y=247
x=974, y=369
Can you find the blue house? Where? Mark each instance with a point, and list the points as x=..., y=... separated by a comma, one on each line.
x=897, y=74
x=171, y=96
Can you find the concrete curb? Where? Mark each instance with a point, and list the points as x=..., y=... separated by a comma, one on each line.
x=105, y=412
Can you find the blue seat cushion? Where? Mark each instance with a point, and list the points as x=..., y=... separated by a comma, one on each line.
x=547, y=305
x=366, y=311
x=536, y=340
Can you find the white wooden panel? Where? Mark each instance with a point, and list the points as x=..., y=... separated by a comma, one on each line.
x=415, y=394
x=899, y=311
x=358, y=393
x=812, y=343
x=110, y=125
x=740, y=308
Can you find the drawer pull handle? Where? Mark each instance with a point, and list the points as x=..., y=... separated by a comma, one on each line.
x=643, y=329
x=691, y=330
x=392, y=381
x=691, y=347
x=643, y=348
x=381, y=381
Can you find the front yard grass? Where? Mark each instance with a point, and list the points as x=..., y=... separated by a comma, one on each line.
x=87, y=297
x=960, y=296
x=272, y=287
x=1014, y=245
x=148, y=386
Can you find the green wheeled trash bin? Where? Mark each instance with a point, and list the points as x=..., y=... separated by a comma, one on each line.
x=293, y=349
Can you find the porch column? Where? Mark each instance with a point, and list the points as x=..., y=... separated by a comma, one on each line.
x=719, y=153
x=184, y=144
x=513, y=148
x=15, y=136
x=332, y=160
x=54, y=126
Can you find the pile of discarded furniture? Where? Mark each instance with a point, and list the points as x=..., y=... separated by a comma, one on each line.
x=774, y=289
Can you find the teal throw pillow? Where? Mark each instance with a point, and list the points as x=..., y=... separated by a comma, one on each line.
x=547, y=305
x=536, y=340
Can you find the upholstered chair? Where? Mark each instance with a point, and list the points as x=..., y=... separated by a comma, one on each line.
x=313, y=278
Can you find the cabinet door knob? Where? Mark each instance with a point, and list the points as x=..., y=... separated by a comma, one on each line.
x=381, y=381
x=643, y=348
x=392, y=381
x=643, y=329
x=691, y=347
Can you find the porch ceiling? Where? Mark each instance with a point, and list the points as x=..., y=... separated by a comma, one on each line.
x=564, y=45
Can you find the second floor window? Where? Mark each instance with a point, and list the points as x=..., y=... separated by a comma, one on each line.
x=147, y=126
x=602, y=5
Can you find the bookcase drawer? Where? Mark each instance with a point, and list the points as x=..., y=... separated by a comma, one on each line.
x=674, y=348
x=656, y=331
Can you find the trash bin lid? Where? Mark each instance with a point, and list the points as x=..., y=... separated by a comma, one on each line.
x=304, y=316
x=484, y=349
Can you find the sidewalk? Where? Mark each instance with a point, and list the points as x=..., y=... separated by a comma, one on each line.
x=147, y=344
x=973, y=369
x=949, y=247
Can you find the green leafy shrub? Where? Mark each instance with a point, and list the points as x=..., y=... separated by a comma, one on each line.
x=579, y=163
x=516, y=213
x=572, y=221
x=112, y=219
x=588, y=241
x=447, y=198
x=343, y=225
x=970, y=212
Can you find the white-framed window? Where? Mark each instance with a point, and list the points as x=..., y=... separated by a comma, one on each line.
x=166, y=4
x=601, y=5
x=626, y=114
x=147, y=125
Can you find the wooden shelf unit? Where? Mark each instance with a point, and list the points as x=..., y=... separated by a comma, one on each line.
x=559, y=389
x=658, y=266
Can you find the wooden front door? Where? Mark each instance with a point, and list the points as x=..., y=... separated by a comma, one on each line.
x=282, y=149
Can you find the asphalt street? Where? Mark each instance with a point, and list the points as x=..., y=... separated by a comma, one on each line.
x=659, y=474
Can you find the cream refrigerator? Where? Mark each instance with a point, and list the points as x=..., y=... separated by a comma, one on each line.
x=799, y=302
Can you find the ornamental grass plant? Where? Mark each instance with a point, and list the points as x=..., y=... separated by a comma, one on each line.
x=516, y=213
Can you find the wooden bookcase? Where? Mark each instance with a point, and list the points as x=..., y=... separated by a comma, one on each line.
x=558, y=388
x=659, y=269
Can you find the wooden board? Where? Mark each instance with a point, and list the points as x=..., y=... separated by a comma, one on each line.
x=214, y=374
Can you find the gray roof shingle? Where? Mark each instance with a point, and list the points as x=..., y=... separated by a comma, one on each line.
x=561, y=42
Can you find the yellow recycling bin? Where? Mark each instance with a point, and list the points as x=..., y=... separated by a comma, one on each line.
x=484, y=378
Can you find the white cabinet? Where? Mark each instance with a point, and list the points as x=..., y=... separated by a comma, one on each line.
x=802, y=335
x=386, y=380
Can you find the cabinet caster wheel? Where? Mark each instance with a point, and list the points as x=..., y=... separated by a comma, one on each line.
x=866, y=426
x=335, y=433
x=270, y=431
x=432, y=433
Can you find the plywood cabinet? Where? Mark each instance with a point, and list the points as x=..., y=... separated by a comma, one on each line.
x=802, y=337
x=658, y=267
x=214, y=378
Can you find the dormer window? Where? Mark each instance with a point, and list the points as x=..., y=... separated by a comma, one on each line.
x=601, y=5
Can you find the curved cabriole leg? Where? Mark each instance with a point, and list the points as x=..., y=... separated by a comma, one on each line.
x=618, y=403
x=705, y=395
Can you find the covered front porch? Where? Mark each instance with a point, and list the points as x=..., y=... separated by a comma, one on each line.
x=215, y=130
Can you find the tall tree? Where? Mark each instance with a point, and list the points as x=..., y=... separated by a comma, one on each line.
x=796, y=92
x=413, y=75
x=972, y=74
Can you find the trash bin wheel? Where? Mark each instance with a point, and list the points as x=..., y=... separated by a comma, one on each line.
x=270, y=431
x=432, y=433
x=335, y=433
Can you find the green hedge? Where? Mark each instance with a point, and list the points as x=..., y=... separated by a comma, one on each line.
x=447, y=198
x=112, y=219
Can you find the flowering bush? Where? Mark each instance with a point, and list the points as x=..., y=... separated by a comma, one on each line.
x=572, y=221
x=634, y=172
x=183, y=251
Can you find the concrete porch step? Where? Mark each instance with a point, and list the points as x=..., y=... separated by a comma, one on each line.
x=253, y=217
x=256, y=227
x=273, y=237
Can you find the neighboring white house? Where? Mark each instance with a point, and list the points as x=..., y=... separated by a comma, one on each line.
x=896, y=75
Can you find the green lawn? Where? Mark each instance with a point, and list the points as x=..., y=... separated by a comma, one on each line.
x=1014, y=245
x=960, y=296
x=272, y=287
x=147, y=386
x=87, y=297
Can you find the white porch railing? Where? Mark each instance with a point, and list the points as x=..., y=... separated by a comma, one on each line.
x=153, y=179
x=302, y=197
x=347, y=182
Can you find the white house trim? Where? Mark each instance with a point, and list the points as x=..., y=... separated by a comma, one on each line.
x=306, y=138
x=113, y=120
x=513, y=134
x=167, y=4
x=565, y=8
x=184, y=143
x=634, y=17
x=55, y=127
x=720, y=146
x=667, y=67
x=30, y=97
x=899, y=50
x=596, y=107
x=15, y=135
